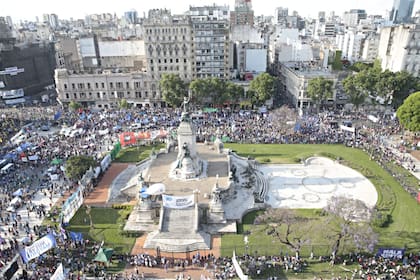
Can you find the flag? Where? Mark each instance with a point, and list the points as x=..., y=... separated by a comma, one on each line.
x=57, y=115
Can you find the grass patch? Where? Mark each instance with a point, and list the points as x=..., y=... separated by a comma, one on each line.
x=108, y=224
x=136, y=154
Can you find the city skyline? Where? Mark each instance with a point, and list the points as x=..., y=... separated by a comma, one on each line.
x=79, y=9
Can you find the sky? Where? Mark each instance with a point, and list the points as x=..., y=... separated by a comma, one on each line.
x=29, y=9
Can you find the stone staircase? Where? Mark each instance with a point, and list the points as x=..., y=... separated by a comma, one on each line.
x=178, y=232
x=261, y=181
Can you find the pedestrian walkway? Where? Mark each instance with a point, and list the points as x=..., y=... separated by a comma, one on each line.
x=99, y=195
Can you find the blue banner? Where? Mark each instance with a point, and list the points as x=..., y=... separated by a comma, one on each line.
x=390, y=253
x=76, y=236
x=38, y=248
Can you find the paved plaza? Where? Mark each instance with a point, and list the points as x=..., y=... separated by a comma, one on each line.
x=312, y=184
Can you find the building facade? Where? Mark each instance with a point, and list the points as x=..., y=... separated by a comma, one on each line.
x=399, y=48
x=210, y=27
x=294, y=79
x=401, y=11
x=168, y=45
x=243, y=13
x=105, y=89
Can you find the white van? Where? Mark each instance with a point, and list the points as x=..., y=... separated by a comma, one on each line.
x=7, y=168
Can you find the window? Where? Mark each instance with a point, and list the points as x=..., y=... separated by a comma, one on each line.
x=73, y=86
x=111, y=85
x=65, y=86
x=103, y=85
x=127, y=85
x=88, y=85
x=75, y=95
x=96, y=85
x=67, y=96
x=98, y=95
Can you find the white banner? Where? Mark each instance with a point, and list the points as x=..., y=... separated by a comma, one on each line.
x=58, y=274
x=72, y=204
x=38, y=248
x=177, y=202
x=238, y=268
x=346, y=128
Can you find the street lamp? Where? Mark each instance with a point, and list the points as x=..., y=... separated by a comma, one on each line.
x=88, y=212
x=196, y=192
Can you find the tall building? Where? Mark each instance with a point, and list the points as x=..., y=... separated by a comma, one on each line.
x=401, y=11
x=399, y=48
x=131, y=16
x=243, y=13
x=210, y=26
x=281, y=15
x=168, y=44
x=353, y=17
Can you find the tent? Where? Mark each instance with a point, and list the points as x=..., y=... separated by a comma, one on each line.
x=210, y=110
x=104, y=255
x=56, y=161
x=156, y=189
x=19, y=192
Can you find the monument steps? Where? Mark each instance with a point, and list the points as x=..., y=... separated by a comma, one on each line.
x=178, y=233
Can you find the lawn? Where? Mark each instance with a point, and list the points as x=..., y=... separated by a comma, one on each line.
x=403, y=230
x=108, y=223
x=136, y=154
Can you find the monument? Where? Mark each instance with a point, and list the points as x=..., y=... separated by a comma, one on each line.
x=205, y=192
x=188, y=165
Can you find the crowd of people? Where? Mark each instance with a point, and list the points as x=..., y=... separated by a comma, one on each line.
x=98, y=130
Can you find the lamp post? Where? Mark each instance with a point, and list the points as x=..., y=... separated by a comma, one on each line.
x=196, y=193
x=88, y=212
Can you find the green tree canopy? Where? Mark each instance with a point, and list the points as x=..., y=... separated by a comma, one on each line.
x=261, y=88
x=75, y=105
x=76, y=166
x=404, y=85
x=214, y=90
x=354, y=90
x=173, y=89
x=123, y=104
x=319, y=90
x=409, y=113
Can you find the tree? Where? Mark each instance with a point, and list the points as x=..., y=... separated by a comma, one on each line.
x=349, y=223
x=76, y=166
x=404, y=85
x=123, y=104
x=356, y=94
x=319, y=90
x=409, y=113
x=173, y=89
x=283, y=225
x=75, y=105
x=261, y=88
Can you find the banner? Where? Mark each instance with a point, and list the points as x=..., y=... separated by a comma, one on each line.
x=346, y=128
x=76, y=236
x=238, y=268
x=177, y=202
x=71, y=205
x=390, y=253
x=38, y=248
x=58, y=274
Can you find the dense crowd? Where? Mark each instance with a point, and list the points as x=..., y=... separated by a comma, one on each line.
x=98, y=130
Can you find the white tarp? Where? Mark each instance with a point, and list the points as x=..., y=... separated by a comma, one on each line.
x=97, y=172
x=238, y=268
x=15, y=200
x=59, y=273
x=346, y=128
x=373, y=118
x=72, y=204
x=34, y=157
x=156, y=189
x=177, y=202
